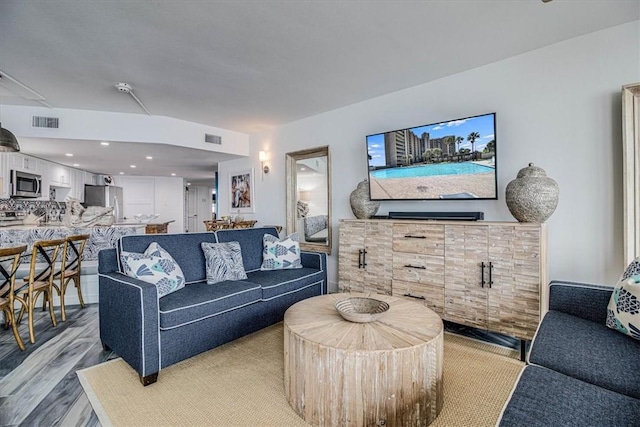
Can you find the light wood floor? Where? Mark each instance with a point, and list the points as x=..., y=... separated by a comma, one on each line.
x=39, y=386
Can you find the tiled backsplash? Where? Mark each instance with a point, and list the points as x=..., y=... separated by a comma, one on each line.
x=30, y=205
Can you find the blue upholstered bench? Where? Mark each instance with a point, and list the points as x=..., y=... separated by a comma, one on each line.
x=151, y=333
x=579, y=372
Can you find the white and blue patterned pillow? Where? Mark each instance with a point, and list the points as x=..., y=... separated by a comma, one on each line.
x=280, y=254
x=154, y=266
x=623, y=311
x=632, y=269
x=223, y=262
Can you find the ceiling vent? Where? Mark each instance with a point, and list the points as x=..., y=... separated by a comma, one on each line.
x=212, y=139
x=45, y=122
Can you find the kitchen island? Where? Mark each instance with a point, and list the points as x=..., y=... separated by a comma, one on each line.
x=99, y=238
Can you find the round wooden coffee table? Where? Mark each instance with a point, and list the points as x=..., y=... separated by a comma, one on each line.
x=383, y=373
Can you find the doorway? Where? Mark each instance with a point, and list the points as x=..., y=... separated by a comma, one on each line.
x=192, y=209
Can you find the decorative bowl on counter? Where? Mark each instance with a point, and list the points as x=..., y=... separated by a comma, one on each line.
x=145, y=217
x=361, y=310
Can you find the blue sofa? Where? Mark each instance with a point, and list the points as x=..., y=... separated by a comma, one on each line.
x=579, y=372
x=151, y=333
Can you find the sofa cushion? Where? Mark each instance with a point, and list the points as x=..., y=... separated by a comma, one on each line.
x=199, y=301
x=184, y=248
x=282, y=282
x=155, y=266
x=223, y=262
x=623, y=311
x=588, y=351
x=545, y=398
x=250, y=240
x=314, y=224
x=280, y=254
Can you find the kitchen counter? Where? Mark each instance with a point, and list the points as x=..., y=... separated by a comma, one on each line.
x=100, y=237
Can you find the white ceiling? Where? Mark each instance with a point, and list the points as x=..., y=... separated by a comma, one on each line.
x=252, y=65
x=118, y=157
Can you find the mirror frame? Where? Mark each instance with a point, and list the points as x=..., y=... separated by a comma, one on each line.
x=631, y=170
x=292, y=195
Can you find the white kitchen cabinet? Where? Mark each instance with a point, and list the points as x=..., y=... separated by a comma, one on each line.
x=4, y=175
x=60, y=175
x=89, y=178
x=26, y=163
x=77, y=184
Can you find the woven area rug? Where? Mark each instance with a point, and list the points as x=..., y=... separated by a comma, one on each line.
x=241, y=384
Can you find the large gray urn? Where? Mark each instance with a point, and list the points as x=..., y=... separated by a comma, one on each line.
x=532, y=196
x=361, y=204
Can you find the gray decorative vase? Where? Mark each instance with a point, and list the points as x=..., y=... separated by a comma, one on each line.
x=361, y=204
x=532, y=196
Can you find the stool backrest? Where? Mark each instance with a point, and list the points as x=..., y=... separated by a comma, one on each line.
x=72, y=252
x=48, y=251
x=7, y=277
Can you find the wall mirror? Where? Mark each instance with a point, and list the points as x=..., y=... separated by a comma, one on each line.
x=309, y=198
x=631, y=170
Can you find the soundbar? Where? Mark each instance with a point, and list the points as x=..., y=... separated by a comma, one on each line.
x=447, y=216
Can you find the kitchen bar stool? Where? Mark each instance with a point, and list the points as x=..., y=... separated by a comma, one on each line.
x=10, y=256
x=70, y=269
x=45, y=251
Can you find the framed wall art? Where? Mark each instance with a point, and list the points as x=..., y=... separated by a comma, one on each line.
x=241, y=190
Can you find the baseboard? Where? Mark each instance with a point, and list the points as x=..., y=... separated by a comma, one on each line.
x=89, y=285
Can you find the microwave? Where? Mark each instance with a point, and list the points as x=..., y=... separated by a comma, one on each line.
x=25, y=184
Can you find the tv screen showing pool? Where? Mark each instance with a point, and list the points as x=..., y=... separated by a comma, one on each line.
x=454, y=160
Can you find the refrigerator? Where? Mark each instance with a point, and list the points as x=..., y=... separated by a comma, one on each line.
x=105, y=195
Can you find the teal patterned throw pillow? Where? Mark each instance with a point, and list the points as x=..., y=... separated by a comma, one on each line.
x=623, y=312
x=632, y=269
x=280, y=254
x=154, y=266
x=223, y=262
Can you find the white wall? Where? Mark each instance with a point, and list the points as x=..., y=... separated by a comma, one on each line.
x=168, y=199
x=559, y=107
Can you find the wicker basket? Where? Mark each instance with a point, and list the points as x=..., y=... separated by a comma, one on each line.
x=361, y=310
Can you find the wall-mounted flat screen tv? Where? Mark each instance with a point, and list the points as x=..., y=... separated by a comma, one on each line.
x=450, y=160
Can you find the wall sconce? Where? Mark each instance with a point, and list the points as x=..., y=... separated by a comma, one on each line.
x=263, y=159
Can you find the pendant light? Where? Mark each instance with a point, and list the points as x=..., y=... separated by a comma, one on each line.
x=8, y=141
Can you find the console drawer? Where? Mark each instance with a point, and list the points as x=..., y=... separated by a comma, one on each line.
x=424, y=238
x=418, y=268
x=431, y=296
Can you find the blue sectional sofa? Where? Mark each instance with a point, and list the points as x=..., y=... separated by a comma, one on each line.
x=579, y=372
x=151, y=333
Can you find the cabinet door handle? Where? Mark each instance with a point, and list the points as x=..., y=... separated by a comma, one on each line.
x=482, y=282
x=410, y=236
x=419, y=267
x=364, y=258
x=360, y=258
x=490, y=270
x=413, y=296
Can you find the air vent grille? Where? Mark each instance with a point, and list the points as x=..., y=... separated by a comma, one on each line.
x=212, y=139
x=45, y=122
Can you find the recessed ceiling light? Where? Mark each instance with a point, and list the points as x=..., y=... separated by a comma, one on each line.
x=188, y=183
x=76, y=164
x=303, y=169
x=149, y=158
x=121, y=173
x=104, y=143
x=69, y=154
x=132, y=166
x=173, y=174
